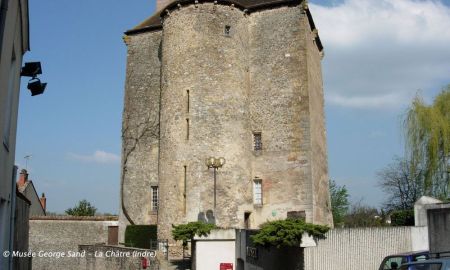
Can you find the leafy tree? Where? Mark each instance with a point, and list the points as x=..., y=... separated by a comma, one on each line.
x=339, y=202
x=402, y=218
x=364, y=216
x=403, y=183
x=83, y=208
x=287, y=232
x=427, y=130
x=187, y=232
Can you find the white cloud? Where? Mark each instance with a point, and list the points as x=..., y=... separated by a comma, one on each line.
x=391, y=100
x=97, y=157
x=378, y=53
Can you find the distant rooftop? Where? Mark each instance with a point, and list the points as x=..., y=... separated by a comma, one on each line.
x=81, y=218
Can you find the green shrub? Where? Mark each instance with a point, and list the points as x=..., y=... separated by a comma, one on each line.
x=140, y=235
x=402, y=218
x=287, y=232
x=187, y=232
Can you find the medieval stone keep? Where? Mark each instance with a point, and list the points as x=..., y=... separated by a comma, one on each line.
x=234, y=79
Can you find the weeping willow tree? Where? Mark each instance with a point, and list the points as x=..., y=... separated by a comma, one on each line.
x=427, y=130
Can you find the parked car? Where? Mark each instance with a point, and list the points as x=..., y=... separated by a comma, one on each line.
x=394, y=261
x=431, y=264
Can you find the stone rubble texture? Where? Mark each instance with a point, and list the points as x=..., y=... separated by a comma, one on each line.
x=265, y=76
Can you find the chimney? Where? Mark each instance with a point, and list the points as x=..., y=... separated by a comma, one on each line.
x=43, y=201
x=23, y=178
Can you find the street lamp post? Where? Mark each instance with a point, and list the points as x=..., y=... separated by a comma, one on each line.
x=215, y=163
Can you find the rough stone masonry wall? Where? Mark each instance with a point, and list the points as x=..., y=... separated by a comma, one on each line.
x=319, y=162
x=140, y=129
x=63, y=236
x=279, y=110
x=216, y=90
x=199, y=57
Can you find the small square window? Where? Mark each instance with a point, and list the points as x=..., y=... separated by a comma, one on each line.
x=227, y=30
x=257, y=141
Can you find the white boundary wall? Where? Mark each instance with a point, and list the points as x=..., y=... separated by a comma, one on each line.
x=211, y=253
x=218, y=247
x=363, y=248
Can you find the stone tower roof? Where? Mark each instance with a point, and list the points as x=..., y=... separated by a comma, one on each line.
x=154, y=21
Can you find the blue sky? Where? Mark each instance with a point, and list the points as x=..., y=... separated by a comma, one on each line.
x=378, y=54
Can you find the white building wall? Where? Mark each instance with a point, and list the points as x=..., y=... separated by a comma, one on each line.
x=216, y=248
x=363, y=248
x=420, y=210
x=209, y=254
x=419, y=238
x=13, y=41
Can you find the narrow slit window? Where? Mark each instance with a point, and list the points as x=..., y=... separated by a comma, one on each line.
x=187, y=128
x=257, y=191
x=257, y=141
x=227, y=30
x=155, y=198
x=185, y=183
x=187, y=101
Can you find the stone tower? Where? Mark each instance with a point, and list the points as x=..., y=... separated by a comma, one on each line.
x=235, y=79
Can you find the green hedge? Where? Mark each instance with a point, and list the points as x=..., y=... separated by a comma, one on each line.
x=287, y=232
x=140, y=235
x=402, y=218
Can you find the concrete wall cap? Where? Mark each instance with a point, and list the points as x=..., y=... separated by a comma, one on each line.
x=219, y=234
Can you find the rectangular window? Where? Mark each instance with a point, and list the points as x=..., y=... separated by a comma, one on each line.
x=257, y=141
x=155, y=198
x=257, y=191
x=227, y=30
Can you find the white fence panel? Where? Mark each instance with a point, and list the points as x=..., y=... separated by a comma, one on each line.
x=363, y=248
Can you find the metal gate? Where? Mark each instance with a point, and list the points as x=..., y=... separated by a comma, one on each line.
x=160, y=245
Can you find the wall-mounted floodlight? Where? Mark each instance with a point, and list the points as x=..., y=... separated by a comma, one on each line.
x=36, y=86
x=32, y=69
